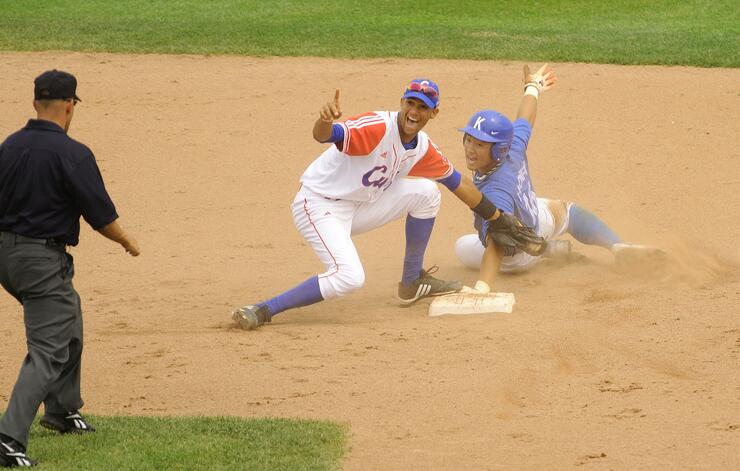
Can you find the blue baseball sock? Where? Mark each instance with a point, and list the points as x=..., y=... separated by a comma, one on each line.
x=304, y=294
x=588, y=229
x=418, y=232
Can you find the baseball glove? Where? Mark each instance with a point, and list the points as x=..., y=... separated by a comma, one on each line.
x=510, y=235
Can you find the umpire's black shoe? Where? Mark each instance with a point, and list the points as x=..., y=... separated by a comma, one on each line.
x=251, y=316
x=13, y=455
x=71, y=422
x=424, y=286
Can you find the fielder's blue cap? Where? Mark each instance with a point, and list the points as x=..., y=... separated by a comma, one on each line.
x=424, y=90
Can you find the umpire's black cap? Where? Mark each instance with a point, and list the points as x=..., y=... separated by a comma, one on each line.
x=55, y=85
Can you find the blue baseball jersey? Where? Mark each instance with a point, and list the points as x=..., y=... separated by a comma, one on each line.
x=509, y=186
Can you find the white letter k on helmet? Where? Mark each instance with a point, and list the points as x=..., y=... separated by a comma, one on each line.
x=478, y=122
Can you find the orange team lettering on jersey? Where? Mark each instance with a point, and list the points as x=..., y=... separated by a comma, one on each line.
x=362, y=134
x=433, y=165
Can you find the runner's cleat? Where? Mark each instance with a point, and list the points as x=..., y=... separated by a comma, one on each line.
x=626, y=253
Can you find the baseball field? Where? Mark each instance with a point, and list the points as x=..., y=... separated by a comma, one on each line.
x=200, y=115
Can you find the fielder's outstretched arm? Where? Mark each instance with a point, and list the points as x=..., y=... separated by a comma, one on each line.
x=470, y=195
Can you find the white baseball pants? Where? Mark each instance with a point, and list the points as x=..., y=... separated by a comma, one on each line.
x=327, y=225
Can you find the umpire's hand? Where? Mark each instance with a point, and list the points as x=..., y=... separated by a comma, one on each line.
x=132, y=247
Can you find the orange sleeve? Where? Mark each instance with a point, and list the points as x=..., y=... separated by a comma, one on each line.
x=362, y=134
x=433, y=165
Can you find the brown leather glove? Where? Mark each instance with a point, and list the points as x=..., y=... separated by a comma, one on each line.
x=509, y=234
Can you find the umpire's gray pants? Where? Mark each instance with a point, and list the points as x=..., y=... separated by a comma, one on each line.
x=40, y=278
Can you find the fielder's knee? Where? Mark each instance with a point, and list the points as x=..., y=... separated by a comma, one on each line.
x=429, y=199
x=341, y=282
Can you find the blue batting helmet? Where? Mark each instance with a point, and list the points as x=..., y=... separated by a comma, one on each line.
x=492, y=126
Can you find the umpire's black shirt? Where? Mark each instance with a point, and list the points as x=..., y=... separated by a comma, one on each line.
x=47, y=181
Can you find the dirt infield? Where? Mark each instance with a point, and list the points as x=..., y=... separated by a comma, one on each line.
x=595, y=366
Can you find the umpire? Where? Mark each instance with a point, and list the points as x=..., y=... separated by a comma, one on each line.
x=47, y=181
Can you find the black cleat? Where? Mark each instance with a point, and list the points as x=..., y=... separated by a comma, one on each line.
x=251, y=316
x=71, y=422
x=13, y=455
x=426, y=285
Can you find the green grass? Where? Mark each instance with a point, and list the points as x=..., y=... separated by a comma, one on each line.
x=691, y=32
x=192, y=443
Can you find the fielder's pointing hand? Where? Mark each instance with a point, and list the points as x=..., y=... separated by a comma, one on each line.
x=543, y=79
x=331, y=111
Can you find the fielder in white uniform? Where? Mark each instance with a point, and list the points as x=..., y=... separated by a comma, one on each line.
x=496, y=152
x=359, y=183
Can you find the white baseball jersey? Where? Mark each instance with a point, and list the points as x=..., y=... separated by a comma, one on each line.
x=370, y=158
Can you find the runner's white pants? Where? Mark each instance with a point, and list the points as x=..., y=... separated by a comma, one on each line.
x=327, y=225
x=469, y=249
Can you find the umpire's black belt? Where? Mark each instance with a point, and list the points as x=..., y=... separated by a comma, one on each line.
x=9, y=239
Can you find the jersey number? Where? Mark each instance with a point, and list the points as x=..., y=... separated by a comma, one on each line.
x=525, y=191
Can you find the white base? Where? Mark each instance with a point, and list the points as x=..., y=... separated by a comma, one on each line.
x=468, y=303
